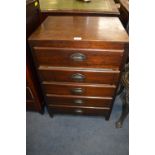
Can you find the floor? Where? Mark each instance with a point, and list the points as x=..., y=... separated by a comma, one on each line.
x=76, y=135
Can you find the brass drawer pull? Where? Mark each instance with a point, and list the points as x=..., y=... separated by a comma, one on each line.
x=77, y=57
x=78, y=77
x=78, y=111
x=78, y=101
x=77, y=91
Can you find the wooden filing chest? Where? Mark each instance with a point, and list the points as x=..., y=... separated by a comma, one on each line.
x=79, y=61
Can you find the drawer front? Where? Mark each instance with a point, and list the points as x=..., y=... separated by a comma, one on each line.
x=78, y=75
x=78, y=101
x=78, y=89
x=78, y=58
x=78, y=110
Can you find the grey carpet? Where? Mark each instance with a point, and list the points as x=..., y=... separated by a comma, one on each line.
x=76, y=135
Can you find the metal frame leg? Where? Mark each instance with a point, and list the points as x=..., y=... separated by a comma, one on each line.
x=125, y=111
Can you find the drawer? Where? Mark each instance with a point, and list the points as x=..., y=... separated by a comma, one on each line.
x=79, y=89
x=78, y=110
x=91, y=58
x=66, y=74
x=78, y=101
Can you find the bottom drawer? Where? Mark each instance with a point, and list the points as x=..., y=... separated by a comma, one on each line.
x=78, y=110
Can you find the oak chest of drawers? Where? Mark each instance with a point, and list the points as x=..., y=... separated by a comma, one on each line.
x=79, y=61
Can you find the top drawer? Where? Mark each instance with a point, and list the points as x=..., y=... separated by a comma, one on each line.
x=67, y=57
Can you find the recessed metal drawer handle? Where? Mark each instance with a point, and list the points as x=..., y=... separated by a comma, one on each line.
x=78, y=111
x=77, y=91
x=78, y=101
x=77, y=57
x=78, y=77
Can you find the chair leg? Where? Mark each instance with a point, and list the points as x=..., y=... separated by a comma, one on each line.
x=125, y=112
x=120, y=89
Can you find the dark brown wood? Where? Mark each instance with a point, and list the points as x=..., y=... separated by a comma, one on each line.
x=29, y=95
x=81, y=110
x=77, y=28
x=77, y=44
x=66, y=74
x=32, y=16
x=67, y=49
x=34, y=98
x=93, y=58
x=70, y=89
x=73, y=100
x=124, y=12
x=117, y=1
x=30, y=105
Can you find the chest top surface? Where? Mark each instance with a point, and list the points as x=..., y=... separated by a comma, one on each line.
x=70, y=28
x=78, y=5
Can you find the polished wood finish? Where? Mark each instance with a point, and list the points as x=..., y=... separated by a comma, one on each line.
x=78, y=110
x=34, y=98
x=92, y=58
x=76, y=7
x=32, y=16
x=73, y=100
x=100, y=76
x=85, y=89
x=79, y=61
x=77, y=29
x=77, y=44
